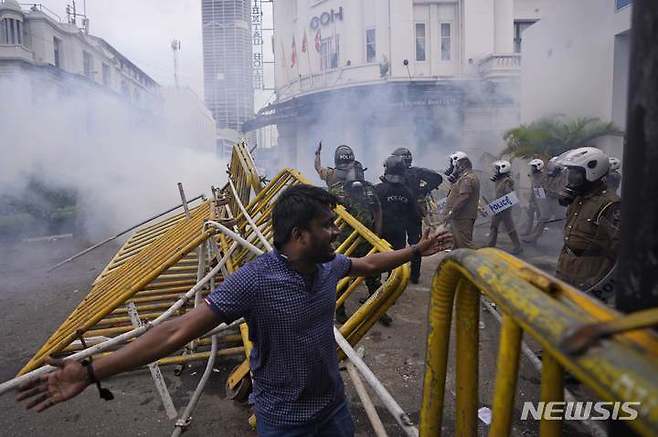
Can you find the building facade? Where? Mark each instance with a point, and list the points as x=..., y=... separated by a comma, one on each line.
x=576, y=61
x=432, y=75
x=227, y=66
x=37, y=41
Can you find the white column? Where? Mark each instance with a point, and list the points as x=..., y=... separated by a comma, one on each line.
x=503, y=26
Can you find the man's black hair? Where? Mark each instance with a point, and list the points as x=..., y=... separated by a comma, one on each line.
x=296, y=207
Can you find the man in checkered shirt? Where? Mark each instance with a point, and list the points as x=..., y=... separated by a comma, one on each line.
x=288, y=298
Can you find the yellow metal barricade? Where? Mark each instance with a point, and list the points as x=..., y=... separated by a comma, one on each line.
x=159, y=263
x=132, y=271
x=623, y=368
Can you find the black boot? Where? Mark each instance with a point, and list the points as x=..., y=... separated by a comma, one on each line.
x=386, y=320
x=517, y=250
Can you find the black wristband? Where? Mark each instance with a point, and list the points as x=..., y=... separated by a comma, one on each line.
x=103, y=392
x=415, y=251
x=91, y=376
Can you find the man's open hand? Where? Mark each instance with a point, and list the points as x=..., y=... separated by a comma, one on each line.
x=441, y=240
x=67, y=381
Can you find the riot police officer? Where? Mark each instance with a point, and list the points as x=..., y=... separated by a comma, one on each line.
x=420, y=181
x=361, y=201
x=504, y=184
x=462, y=202
x=555, y=180
x=591, y=233
x=343, y=160
x=399, y=206
x=614, y=177
x=536, y=203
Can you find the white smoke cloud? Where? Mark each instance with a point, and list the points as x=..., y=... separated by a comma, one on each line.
x=123, y=162
x=469, y=115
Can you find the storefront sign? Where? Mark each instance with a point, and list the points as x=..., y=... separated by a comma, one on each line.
x=326, y=18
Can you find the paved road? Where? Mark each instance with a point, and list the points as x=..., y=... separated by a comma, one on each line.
x=33, y=304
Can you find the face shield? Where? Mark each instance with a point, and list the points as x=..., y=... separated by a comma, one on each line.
x=576, y=185
x=496, y=174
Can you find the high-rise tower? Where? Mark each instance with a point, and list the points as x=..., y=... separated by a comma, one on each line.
x=227, y=61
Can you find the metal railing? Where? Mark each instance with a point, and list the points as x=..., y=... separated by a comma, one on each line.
x=620, y=368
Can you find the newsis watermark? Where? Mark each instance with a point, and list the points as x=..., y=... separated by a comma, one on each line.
x=580, y=410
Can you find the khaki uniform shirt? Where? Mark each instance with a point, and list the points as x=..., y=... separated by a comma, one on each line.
x=504, y=185
x=329, y=175
x=591, y=238
x=467, y=184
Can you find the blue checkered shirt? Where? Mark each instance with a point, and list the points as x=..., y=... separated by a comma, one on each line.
x=294, y=362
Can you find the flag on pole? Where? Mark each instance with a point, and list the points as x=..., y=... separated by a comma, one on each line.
x=318, y=39
x=304, y=43
x=293, y=56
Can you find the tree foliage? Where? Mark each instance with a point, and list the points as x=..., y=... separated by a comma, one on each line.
x=551, y=136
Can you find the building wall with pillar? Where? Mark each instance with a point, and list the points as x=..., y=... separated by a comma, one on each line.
x=433, y=75
x=575, y=62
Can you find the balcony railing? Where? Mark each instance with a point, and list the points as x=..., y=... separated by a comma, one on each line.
x=495, y=66
x=338, y=77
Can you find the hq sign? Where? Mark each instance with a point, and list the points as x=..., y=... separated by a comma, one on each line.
x=327, y=18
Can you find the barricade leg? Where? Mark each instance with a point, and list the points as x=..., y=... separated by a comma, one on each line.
x=438, y=340
x=552, y=389
x=507, y=369
x=467, y=324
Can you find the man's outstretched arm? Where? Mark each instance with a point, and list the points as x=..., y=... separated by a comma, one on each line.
x=71, y=378
x=385, y=261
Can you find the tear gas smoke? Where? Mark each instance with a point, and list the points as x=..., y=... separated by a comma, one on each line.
x=123, y=162
x=432, y=123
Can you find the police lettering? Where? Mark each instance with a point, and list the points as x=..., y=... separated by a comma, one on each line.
x=501, y=204
x=397, y=198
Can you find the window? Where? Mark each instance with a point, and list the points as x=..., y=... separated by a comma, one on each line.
x=445, y=41
x=107, y=77
x=519, y=28
x=4, y=31
x=329, y=53
x=371, y=47
x=622, y=3
x=11, y=32
x=57, y=52
x=88, y=64
x=420, y=42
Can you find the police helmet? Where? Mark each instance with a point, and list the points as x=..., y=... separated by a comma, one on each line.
x=394, y=169
x=537, y=165
x=593, y=162
x=343, y=156
x=405, y=154
x=458, y=156
x=502, y=167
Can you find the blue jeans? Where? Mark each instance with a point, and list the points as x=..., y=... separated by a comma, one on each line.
x=338, y=424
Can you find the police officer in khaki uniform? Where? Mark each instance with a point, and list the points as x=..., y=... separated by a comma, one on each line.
x=555, y=181
x=614, y=177
x=537, y=202
x=420, y=181
x=462, y=202
x=343, y=159
x=591, y=233
x=504, y=184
